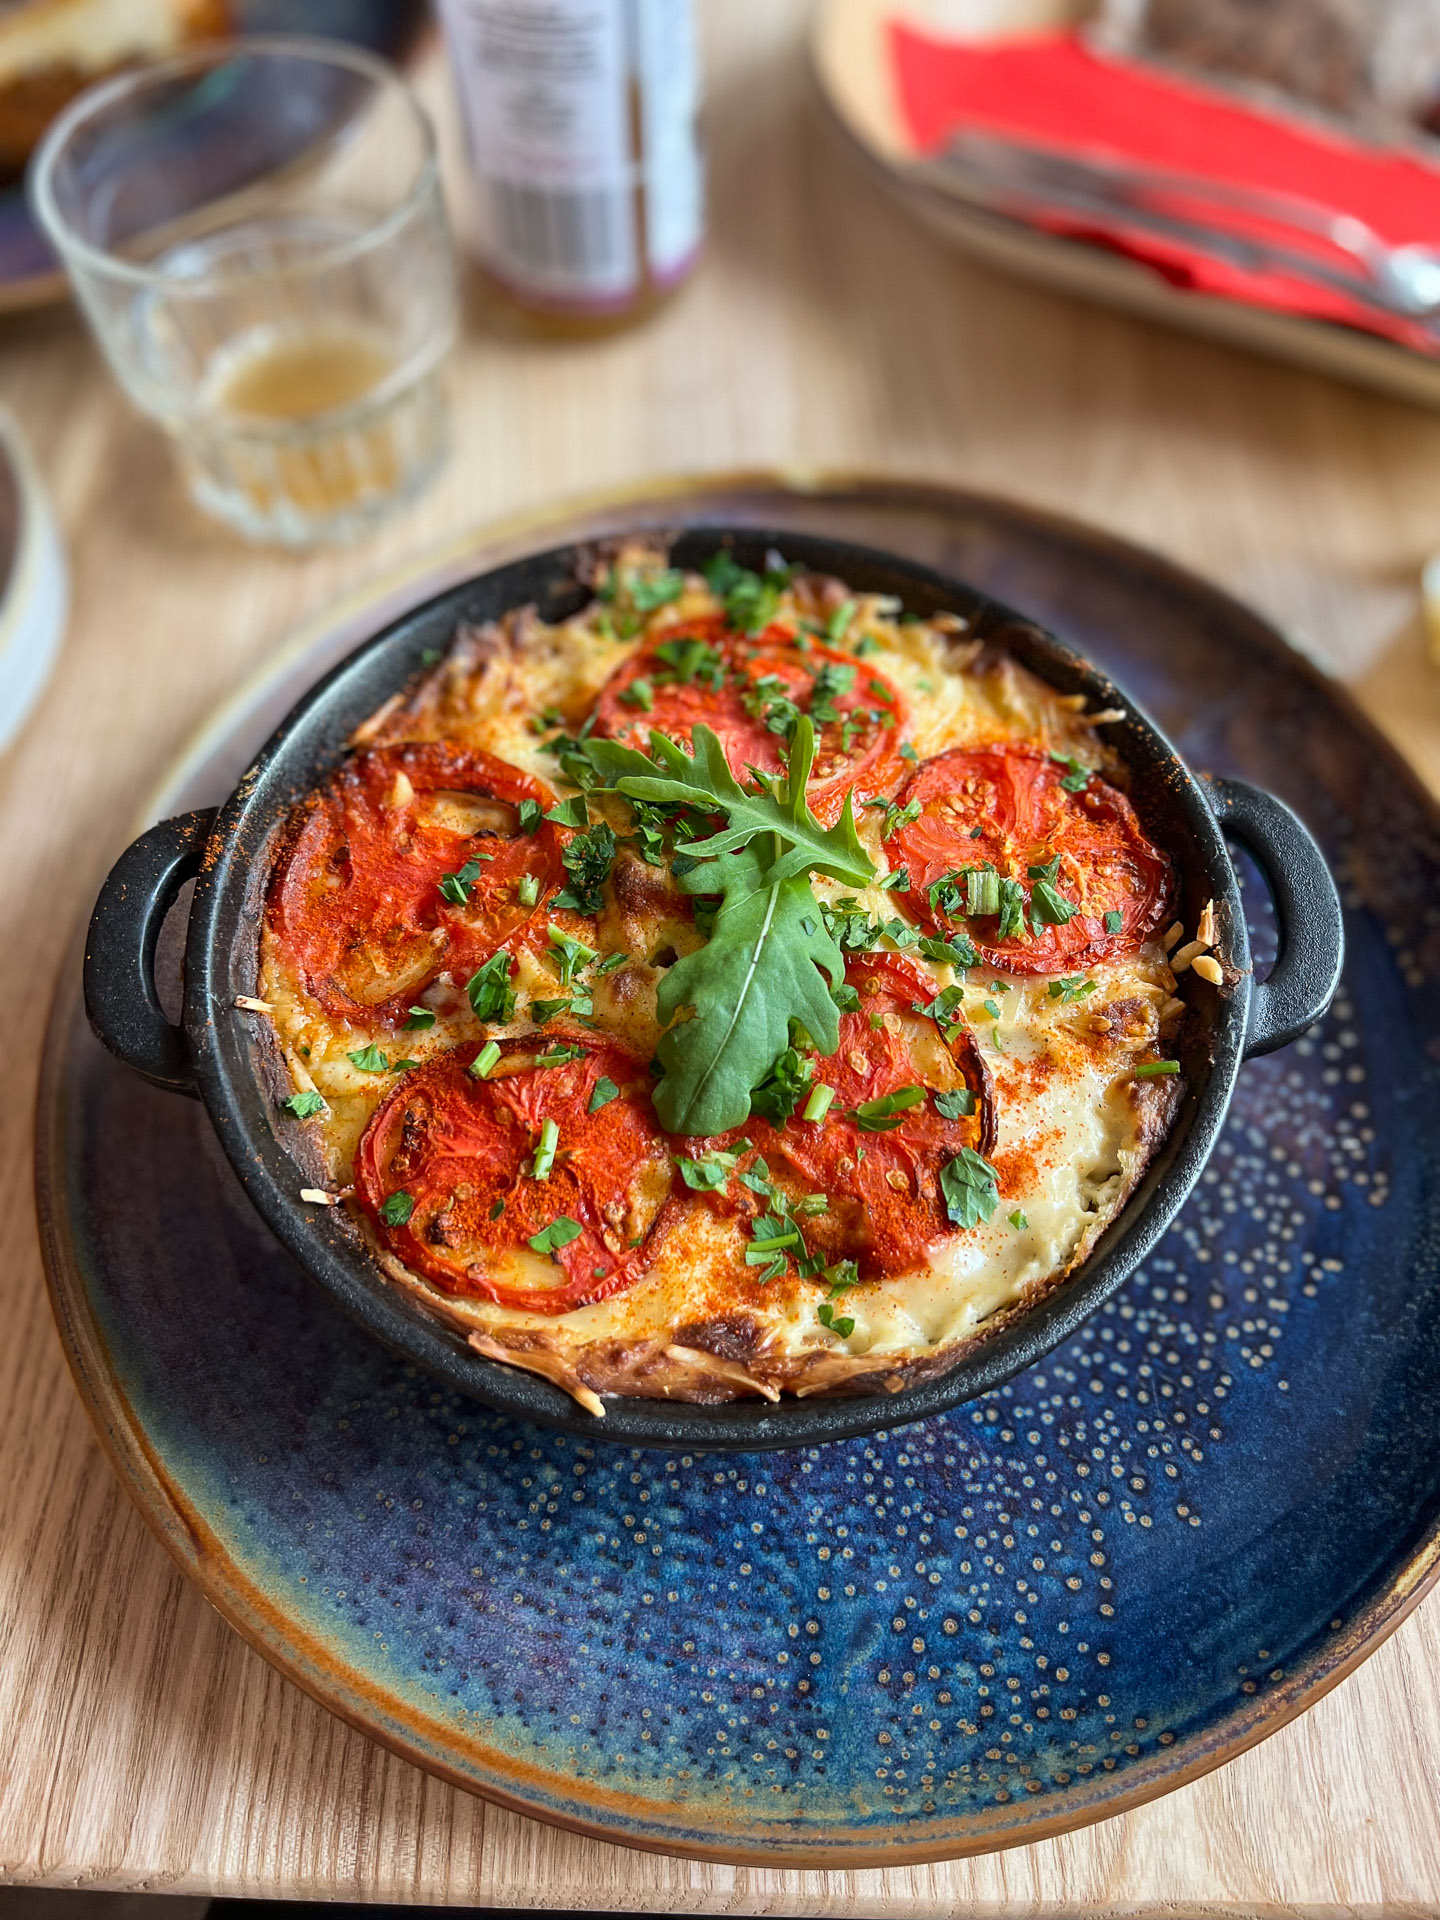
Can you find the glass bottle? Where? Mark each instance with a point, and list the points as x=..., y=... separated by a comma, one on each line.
x=580, y=119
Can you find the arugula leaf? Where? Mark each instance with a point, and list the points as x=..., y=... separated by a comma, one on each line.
x=668, y=776
x=765, y=965
x=304, y=1106
x=970, y=1186
x=587, y=859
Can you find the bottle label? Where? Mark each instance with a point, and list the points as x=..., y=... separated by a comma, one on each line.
x=572, y=107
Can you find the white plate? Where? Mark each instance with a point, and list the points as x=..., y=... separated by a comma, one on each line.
x=852, y=64
x=34, y=584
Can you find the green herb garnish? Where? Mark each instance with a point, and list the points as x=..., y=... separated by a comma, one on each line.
x=455, y=887
x=1152, y=1067
x=531, y=814
x=1074, y=988
x=825, y=1314
x=560, y=1232
x=485, y=1061
x=769, y=959
x=605, y=1091
x=570, y=813
x=490, y=993
x=639, y=694
x=970, y=1187
x=369, y=1059
x=1077, y=776
x=1114, y=921
x=587, y=859
x=959, y=1105
x=398, y=1208
x=420, y=1021
x=886, y=1113
x=304, y=1106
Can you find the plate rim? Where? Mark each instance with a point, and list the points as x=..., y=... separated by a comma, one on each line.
x=290, y=1648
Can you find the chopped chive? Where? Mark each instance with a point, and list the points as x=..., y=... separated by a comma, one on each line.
x=544, y=1161
x=1018, y=1221
x=527, y=892
x=483, y=1063
x=818, y=1105
x=982, y=892
x=1153, y=1067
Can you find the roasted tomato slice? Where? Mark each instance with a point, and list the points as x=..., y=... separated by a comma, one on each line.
x=356, y=897
x=1007, y=806
x=463, y=1152
x=747, y=692
x=882, y=1182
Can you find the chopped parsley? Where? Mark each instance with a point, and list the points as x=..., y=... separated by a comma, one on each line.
x=1077, y=774
x=605, y=1091
x=455, y=887
x=707, y=1175
x=560, y=1054
x=895, y=817
x=398, y=1208
x=684, y=662
x=1114, y=921
x=832, y=682
x=420, y=1021
x=751, y=600
x=648, y=591
x=777, y=1096
x=1048, y=906
x=959, y=1105
x=843, y=1327
x=531, y=814
x=560, y=1232
x=970, y=1187
x=304, y=1106
x=639, y=694
x=588, y=860
x=369, y=1059
x=907, y=752
x=489, y=991
x=1074, y=988
x=570, y=813
x=542, y=1012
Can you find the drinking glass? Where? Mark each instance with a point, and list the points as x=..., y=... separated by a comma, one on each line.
x=256, y=233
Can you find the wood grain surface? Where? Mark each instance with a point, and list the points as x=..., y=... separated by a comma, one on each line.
x=141, y=1745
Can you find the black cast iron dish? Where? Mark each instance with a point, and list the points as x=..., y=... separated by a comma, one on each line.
x=217, y=1053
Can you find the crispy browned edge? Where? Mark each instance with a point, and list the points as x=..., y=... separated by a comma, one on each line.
x=725, y=1358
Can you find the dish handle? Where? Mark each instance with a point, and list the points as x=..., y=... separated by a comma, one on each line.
x=1306, y=973
x=120, y=996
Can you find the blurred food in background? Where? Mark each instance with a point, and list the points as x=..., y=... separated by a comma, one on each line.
x=580, y=117
x=1372, y=61
x=51, y=50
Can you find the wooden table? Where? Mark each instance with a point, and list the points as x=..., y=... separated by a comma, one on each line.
x=141, y=1744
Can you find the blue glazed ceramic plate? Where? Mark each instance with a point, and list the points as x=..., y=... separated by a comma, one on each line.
x=30, y=276
x=1114, y=1573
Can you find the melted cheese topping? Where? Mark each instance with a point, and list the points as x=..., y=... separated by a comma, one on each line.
x=1075, y=1127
